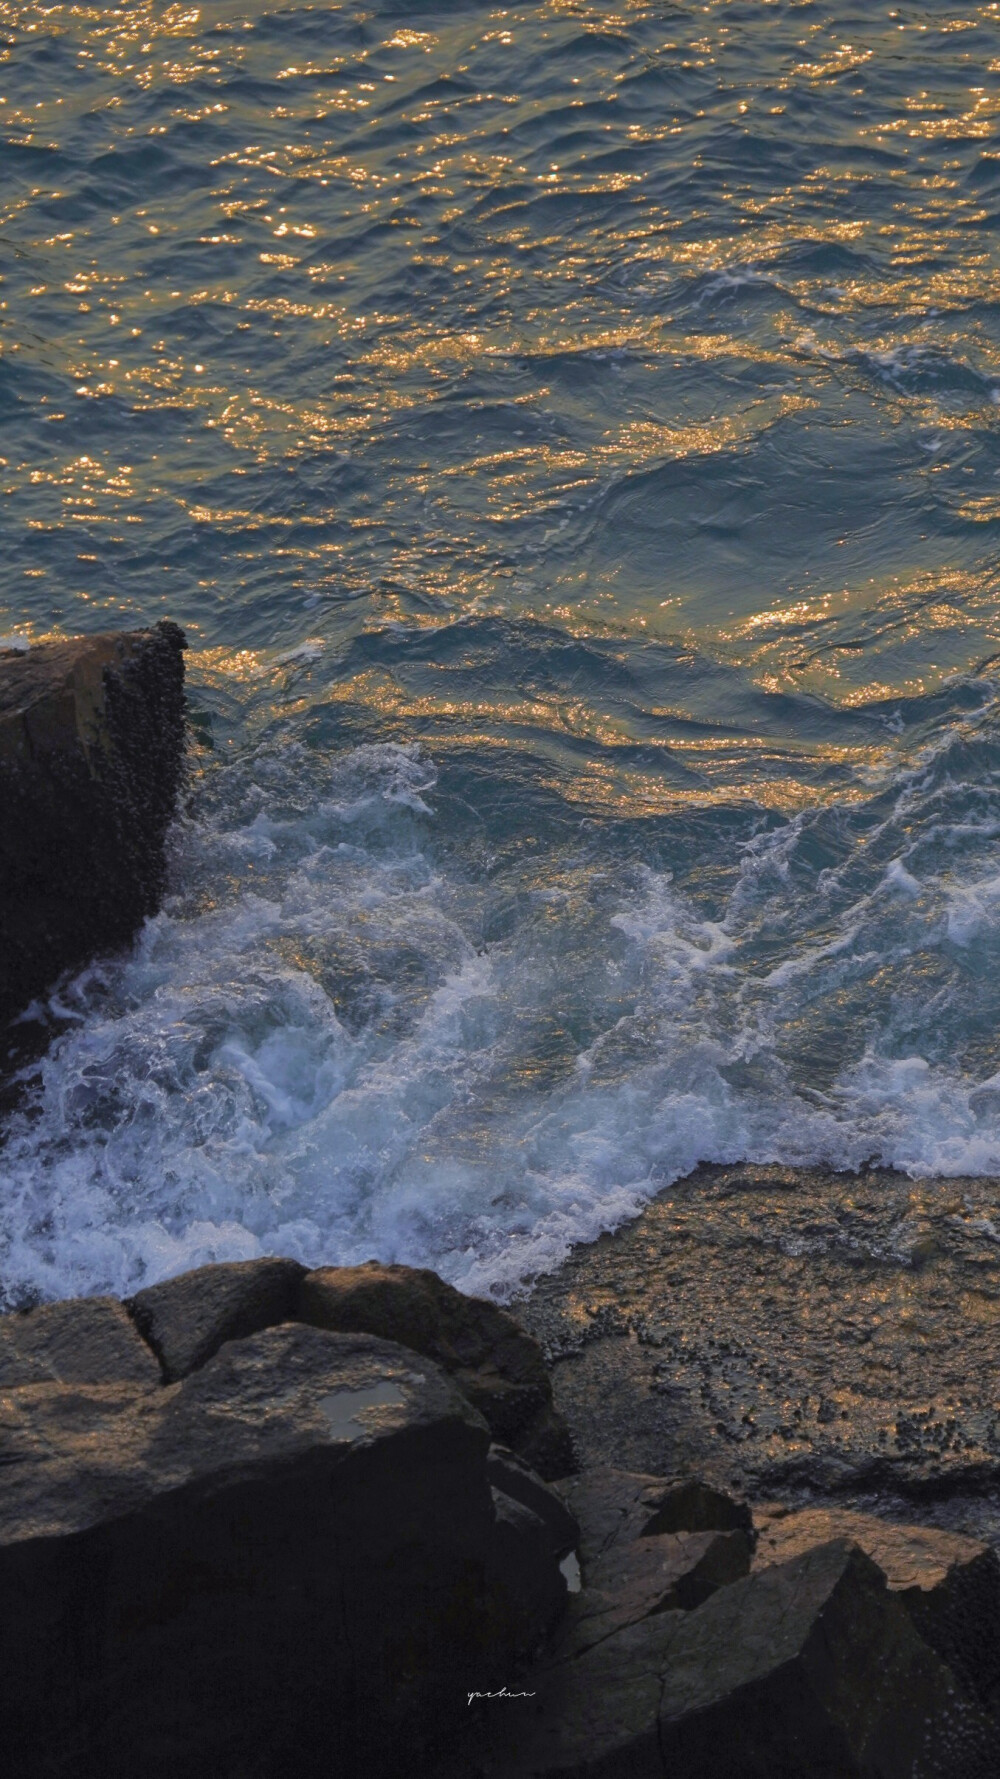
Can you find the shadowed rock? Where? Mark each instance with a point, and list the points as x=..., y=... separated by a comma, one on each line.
x=188, y=1318
x=508, y=1472
x=807, y=1668
x=528, y=1572
x=690, y=1505
x=91, y=745
x=669, y=1572
x=497, y=1366
x=949, y=1585
x=290, y=1562
x=614, y=1507
x=88, y=1340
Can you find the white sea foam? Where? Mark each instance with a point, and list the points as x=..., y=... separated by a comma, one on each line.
x=312, y=1051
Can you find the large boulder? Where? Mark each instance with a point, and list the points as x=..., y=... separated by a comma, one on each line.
x=290, y=1562
x=807, y=1668
x=91, y=748
x=188, y=1318
x=949, y=1584
x=87, y=1340
x=495, y=1364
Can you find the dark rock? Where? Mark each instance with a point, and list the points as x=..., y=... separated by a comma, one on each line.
x=91, y=748
x=287, y=1563
x=528, y=1574
x=497, y=1366
x=612, y=1506
x=89, y=1340
x=188, y=1318
x=809, y=1668
x=508, y=1472
x=670, y=1572
x=949, y=1585
x=608, y=1505
x=692, y=1506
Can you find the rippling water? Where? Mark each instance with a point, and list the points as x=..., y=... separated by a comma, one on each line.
x=570, y=439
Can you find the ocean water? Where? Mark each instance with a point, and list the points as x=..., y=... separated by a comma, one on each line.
x=571, y=441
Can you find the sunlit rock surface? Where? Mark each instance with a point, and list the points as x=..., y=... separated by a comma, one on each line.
x=783, y=1330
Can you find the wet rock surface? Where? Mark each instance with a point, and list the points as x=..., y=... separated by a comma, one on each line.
x=786, y=1332
x=498, y=1367
x=91, y=750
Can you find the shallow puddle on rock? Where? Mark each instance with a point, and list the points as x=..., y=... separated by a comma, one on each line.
x=570, y=1568
x=349, y=1410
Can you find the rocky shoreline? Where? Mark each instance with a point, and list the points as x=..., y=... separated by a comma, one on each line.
x=257, y=1520
x=719, y=1499
x=790, y=1332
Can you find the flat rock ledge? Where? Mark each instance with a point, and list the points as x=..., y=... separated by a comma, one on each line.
x=91, y=751
x=259, y=1521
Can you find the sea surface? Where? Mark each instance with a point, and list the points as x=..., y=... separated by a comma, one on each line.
x=570, y=438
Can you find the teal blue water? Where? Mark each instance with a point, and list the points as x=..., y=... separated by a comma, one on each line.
x=571, y=441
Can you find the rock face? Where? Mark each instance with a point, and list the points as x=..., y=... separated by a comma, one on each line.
x=89, y=1340
x=647, y=1545
x=237, y=1545
x=187, y=1319
x=510, y=1474
x=288, y=1562
x=615, y=1507
x=671, y=1572
x=497, y=1366
x=91, y=746
x=949, y=1585
x=808, y=1668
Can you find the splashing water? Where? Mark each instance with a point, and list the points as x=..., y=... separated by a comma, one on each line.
x=571, y=443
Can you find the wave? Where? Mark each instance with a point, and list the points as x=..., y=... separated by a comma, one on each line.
x=352, y=1032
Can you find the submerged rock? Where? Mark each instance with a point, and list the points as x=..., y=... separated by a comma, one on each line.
x=91, y=747
x=495, y=1363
